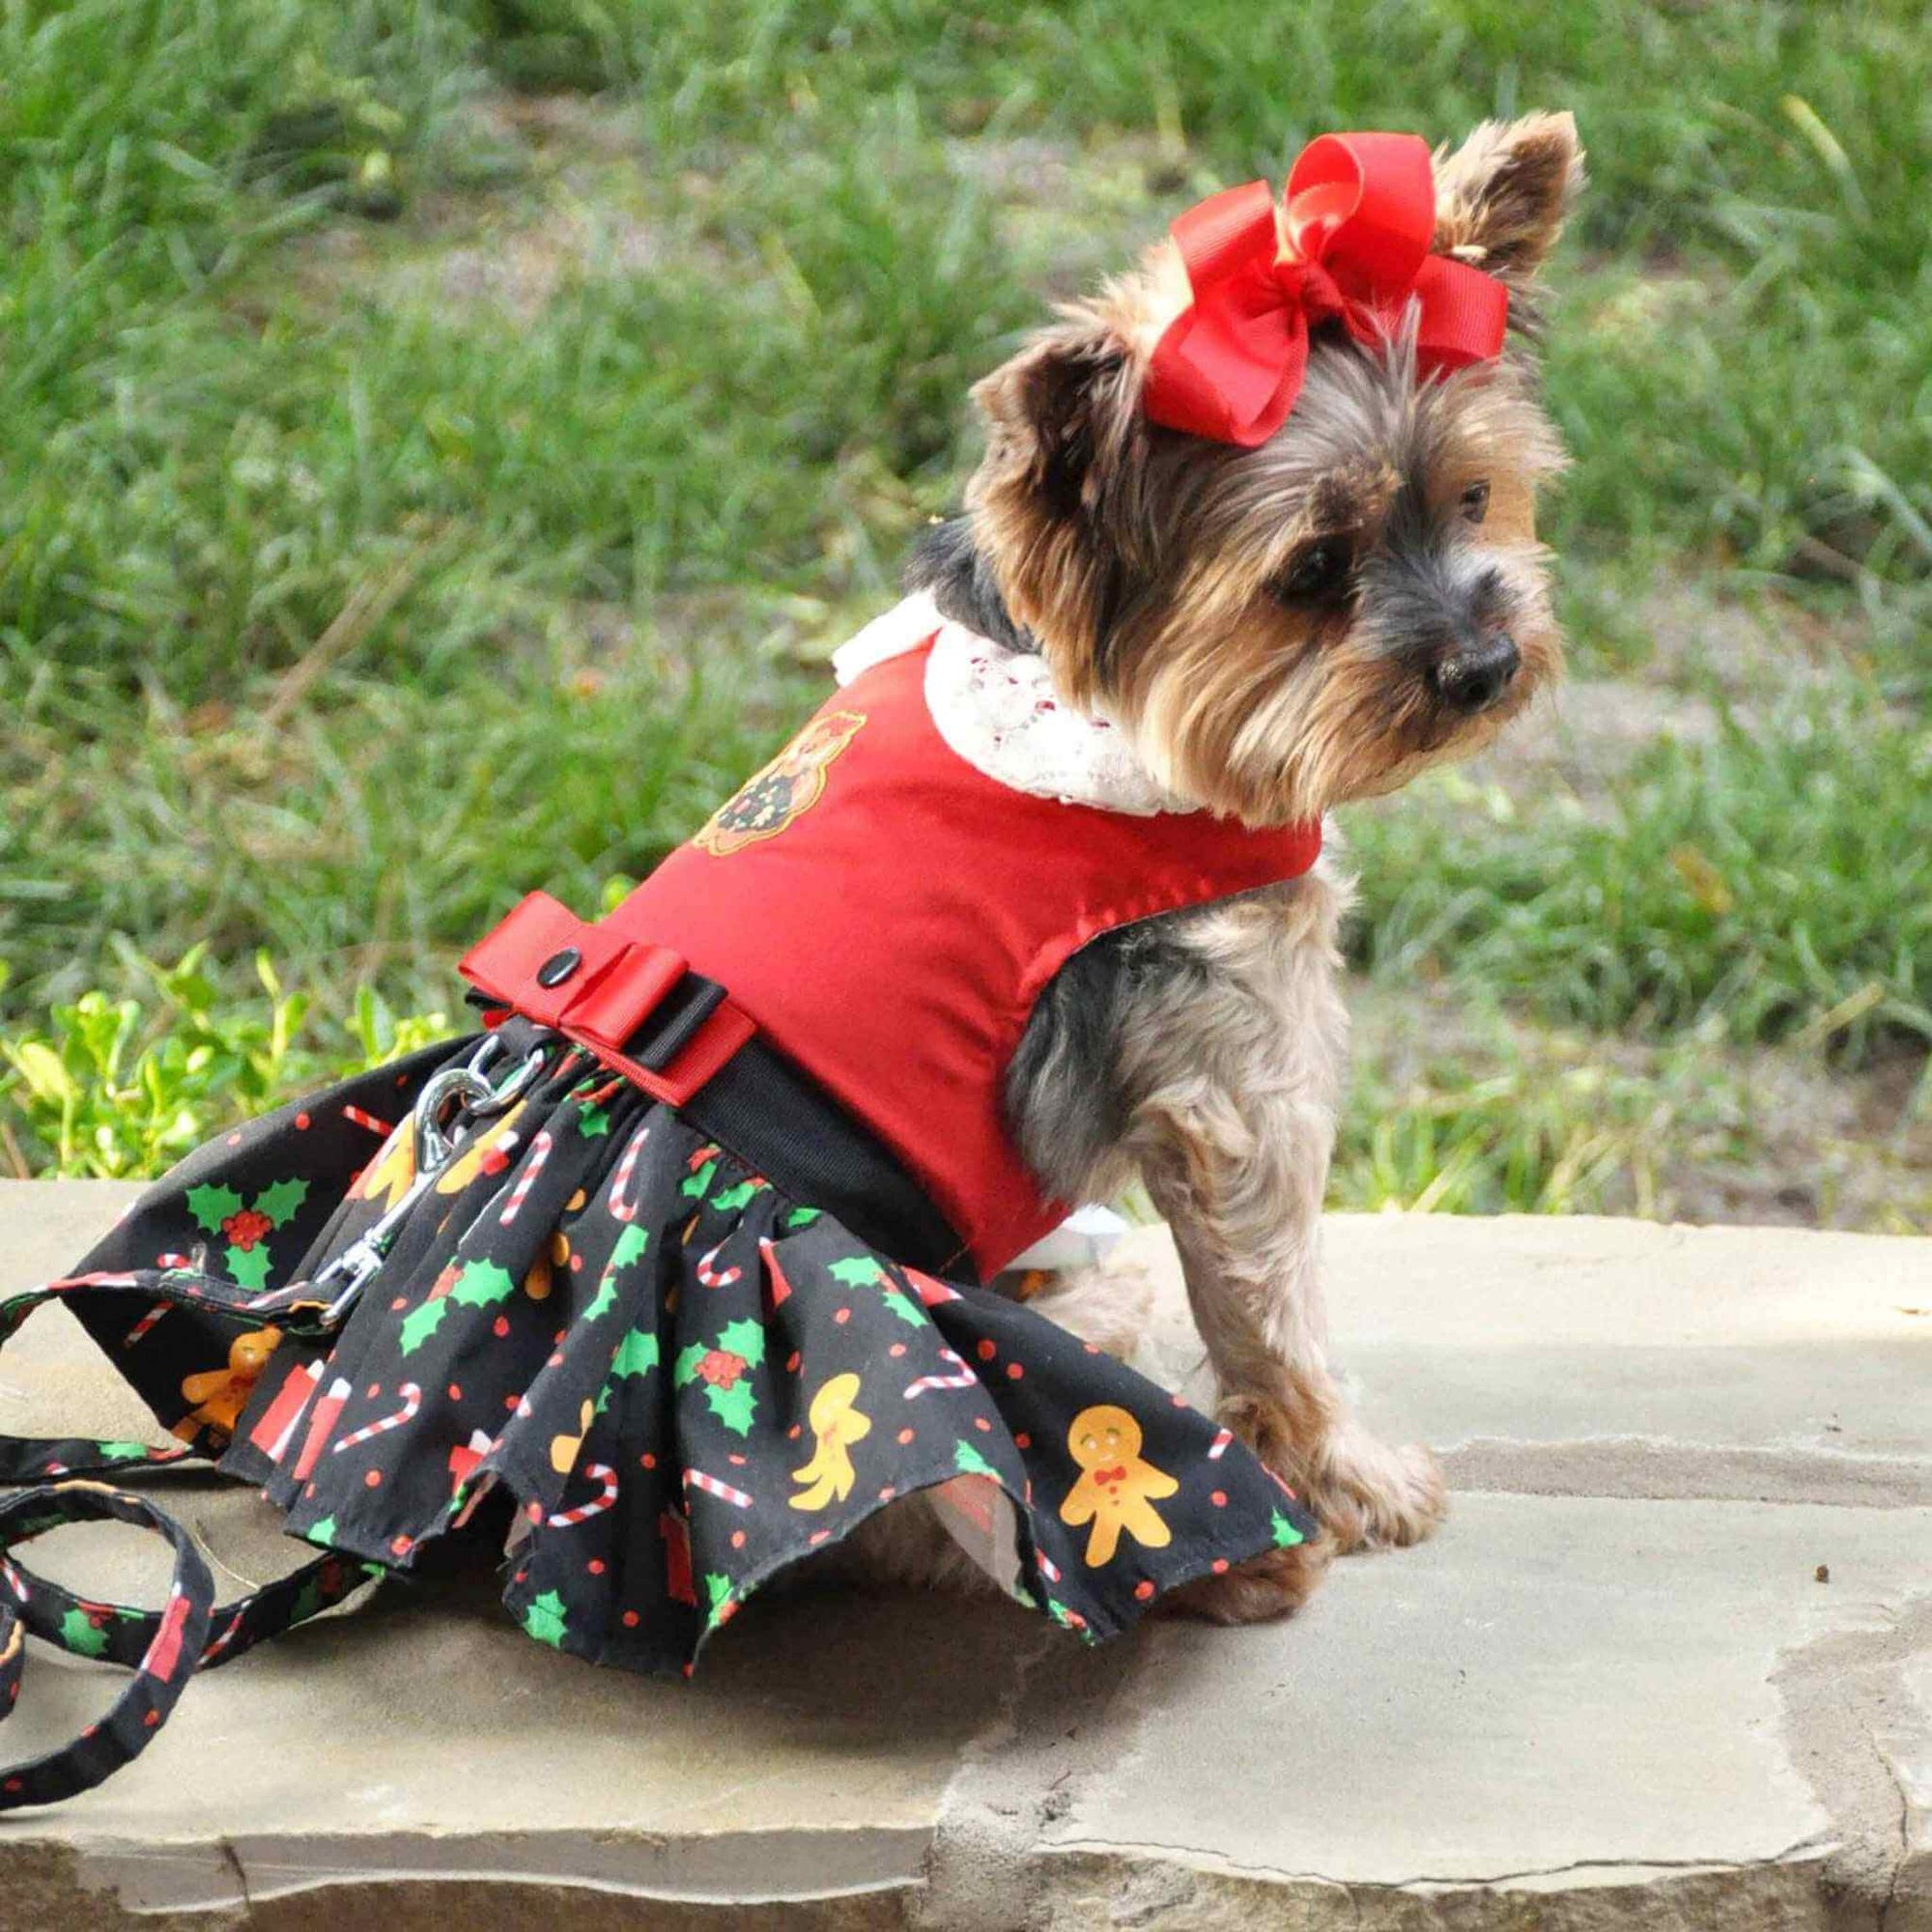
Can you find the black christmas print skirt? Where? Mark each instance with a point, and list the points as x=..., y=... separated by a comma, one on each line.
x=680, y=1379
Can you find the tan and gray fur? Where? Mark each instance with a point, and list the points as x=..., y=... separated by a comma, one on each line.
x=1282, y=630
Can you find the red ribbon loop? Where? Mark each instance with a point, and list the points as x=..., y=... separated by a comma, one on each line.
x=1350, y=246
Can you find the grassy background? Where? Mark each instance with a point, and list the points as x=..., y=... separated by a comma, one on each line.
x=439, y=442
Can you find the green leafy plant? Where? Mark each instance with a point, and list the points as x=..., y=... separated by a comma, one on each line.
x=123, y=1088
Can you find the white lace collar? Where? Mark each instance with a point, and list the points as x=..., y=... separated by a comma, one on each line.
x=999, y=710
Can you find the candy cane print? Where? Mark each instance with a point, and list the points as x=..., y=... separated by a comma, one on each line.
x=148, y=1321
x=713, y=1277
x=412, y=1397
x=1046, y=1568
x=964, y=1379
x=539, y=1154
x=223, y=1643
x=1219, y=1448
x=381, y=1129
x=606, y=1478
x=623, y=1208
x=697, y=1479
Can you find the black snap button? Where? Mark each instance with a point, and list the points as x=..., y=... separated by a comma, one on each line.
x=558, y=967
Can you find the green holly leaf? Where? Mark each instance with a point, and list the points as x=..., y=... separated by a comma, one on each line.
x=734, y=1197
x=281, y=1202
x=421, y=1324
x=321, y=1531
x=684, y=1371
x=733, y=1407
x=968, y=1460
x=1060, y=1613
x=630, y=1248
x=907, y=1311
x=79, y=1636
x=636, y=1354
x=744, y=1337
x=593, y=1122
x=802, y=1217
x=249, y=1267
x=546, y=1619
x=604, y=1301
x=1286, y=1535
x=483, y=1284
x=213, y=1205
x=699, y=1184
x=121, y=1451
x=856, y=1271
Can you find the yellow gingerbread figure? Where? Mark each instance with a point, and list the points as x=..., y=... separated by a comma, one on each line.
x=837, y=1425
x=221, y=1395
x=1116, y=1486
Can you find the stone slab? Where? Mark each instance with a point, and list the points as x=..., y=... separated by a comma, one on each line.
x=1613, y=1693
x=1590, y=1356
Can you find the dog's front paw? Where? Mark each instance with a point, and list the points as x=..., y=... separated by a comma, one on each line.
x=1267, y=1586
x=1371, y=1494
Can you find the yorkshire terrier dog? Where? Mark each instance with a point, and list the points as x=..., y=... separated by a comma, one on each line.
x=1277, y=630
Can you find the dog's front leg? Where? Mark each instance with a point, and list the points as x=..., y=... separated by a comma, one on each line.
x=1233, y=1131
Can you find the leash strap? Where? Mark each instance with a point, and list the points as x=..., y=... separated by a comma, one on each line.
x=163, y=1648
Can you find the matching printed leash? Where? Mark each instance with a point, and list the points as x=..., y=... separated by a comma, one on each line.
x=162, y=1648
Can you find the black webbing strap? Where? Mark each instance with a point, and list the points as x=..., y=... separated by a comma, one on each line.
x=163, y=1648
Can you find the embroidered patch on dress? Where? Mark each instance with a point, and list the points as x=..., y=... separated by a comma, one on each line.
x=794, y=783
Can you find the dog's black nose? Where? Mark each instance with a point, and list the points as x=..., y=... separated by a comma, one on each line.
x=1472, y=677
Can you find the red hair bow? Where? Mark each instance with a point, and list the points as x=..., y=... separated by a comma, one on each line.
x=1361, y=215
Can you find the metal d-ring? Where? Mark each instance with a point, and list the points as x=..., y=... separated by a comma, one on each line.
x=475, y=1098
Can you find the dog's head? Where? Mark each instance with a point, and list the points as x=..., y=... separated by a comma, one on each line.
x=1315, y=619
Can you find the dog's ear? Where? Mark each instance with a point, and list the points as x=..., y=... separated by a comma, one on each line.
x=1065, y=404
x=1057, y=501
x=1502, y=197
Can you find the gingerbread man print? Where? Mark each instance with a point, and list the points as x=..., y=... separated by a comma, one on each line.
x=1116, y=1488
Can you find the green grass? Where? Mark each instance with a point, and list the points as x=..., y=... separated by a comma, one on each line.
x=339, y=605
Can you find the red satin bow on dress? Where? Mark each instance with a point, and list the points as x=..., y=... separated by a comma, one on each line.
x=1361, y=213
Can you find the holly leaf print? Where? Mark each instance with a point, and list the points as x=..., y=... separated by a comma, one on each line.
x=605, y=1299
x=1286, y=1535
x=903, y=1309
x=630, y=1248
x=637, y=1354
x=546, y=1619
x=733, y=1407
x=482, y=1285
x=280, y=1202
x=856, y=1271
x=699, y=1184
x=734, y=1197
x=685, y=1371
x=249, y=1267
x=968, y=1460
x=593, y=1122
x=121, y=1451
x=743, y=1338
x=421, y=1324
x=719, y=1589
x=802, y=1217
x=79, y=1636
x=213, y=1205
x=321, y=1531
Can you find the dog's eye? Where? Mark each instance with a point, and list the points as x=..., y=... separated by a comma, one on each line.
x=1476, y=503
x=1318, y=572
